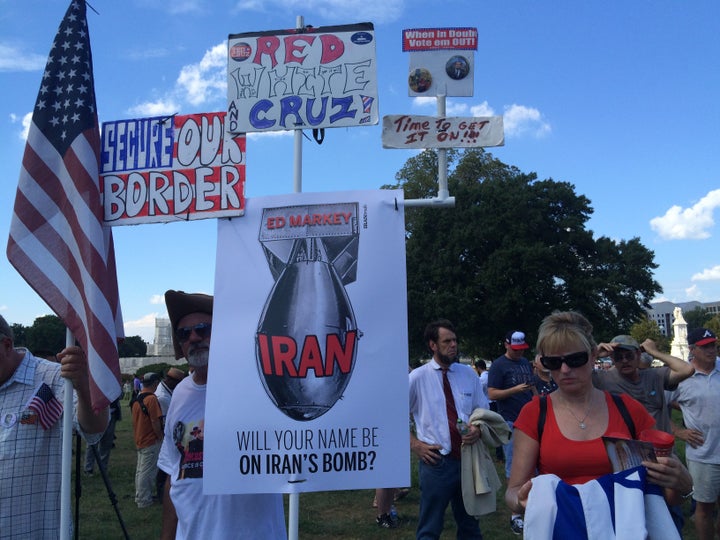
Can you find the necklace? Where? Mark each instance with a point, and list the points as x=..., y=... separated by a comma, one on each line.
x=581, y=423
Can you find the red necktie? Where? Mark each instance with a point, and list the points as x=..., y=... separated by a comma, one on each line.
x=455, y=438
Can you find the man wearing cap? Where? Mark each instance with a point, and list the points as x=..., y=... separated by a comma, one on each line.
x=187, y=512
x=699, y=400
x=647, y=386
x=510, y=384
x=163, y=393
x=148, y=434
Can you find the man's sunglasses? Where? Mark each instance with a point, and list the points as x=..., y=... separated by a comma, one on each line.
x=202, y=330
x=572, y=360
x=623, y=356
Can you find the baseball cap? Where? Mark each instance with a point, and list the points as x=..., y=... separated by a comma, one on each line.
x=626, y=342
x=150, y=378
x=516, y=340
x=701, y=336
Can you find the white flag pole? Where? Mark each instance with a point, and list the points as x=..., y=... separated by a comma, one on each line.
x=66, y=478
x=294, y=499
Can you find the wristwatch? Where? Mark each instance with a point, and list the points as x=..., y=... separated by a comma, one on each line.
x=689, y=493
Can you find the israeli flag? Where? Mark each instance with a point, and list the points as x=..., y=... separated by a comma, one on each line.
x=622, y=505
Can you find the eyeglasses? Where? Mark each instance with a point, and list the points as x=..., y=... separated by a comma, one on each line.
x=623, y=356
x=202, y=330
x=573, y=360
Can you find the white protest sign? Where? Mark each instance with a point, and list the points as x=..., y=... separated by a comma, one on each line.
x=170, y=168
x=302, y=79
x=442, y=61
x=412, y=131
x=308, y=379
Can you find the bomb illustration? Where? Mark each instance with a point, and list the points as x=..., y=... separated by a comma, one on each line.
x=307, y=336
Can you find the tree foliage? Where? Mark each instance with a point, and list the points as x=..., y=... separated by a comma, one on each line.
x=714, y=324
x=696, y=318
x=646, y=328
x=47, y=333
x=513, y=250
x=132, y=346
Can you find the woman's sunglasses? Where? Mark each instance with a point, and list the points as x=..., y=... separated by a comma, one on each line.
x=573, y=360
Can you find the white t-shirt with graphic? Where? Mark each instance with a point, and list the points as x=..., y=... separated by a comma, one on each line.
x=181, y=456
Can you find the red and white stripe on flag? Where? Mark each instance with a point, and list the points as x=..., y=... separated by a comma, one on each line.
x=57, y=240
x=46, y=405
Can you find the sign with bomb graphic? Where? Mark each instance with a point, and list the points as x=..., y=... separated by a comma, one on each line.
x=310, y=327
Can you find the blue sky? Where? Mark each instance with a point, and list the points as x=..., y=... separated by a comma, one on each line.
x=619, y=98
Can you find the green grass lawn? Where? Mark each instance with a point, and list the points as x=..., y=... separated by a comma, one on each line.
x=322, y=516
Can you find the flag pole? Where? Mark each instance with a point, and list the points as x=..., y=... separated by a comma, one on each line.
x=67, y=427
x=294, y=498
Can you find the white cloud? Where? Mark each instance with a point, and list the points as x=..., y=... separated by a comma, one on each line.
x=521, y=120
x=420, y=102
x=14, y=118
x=206, y=80
x=202, y=83
x=378, y=11
x=157, y=299
x=14, y=59
x=688, y=223
x=143, y=327
x=709, y=274
x=482, y=110
x=155, y=108
x=453, y=107
x=693, y=292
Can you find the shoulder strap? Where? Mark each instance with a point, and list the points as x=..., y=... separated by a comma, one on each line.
x=541, y=417
x=620, y=404
x=141, y=401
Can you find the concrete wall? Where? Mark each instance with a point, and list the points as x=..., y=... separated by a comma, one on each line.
x=128, y=366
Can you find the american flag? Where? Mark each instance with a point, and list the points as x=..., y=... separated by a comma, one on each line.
x=57, y=239
x=46, y=405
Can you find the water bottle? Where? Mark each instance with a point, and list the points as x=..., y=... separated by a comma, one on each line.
x=393, y=513
x=462, y=427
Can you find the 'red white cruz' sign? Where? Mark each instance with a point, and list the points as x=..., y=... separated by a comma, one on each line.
x=410, y=131
x=170, y=168
x=302, y=79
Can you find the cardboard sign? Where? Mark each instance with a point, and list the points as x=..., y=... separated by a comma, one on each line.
x=300, y=351
x=406, y=131
x=171, y=168
x=290, y=79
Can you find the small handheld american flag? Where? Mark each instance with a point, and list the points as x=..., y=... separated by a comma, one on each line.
x=46, y=405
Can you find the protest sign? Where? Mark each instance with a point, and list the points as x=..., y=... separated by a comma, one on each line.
x=442, y=61
x=308, y=388
x=170, y=168
x=302, y=79
x=412, y=131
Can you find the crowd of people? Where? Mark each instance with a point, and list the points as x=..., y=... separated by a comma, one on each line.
x=548, y=419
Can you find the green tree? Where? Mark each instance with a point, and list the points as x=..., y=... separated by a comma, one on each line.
x=714, y=324
x=647, y=328
x=46, y=333
x=696, y=318
x=19, y=330
x=132, y=346
x=512, y=250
